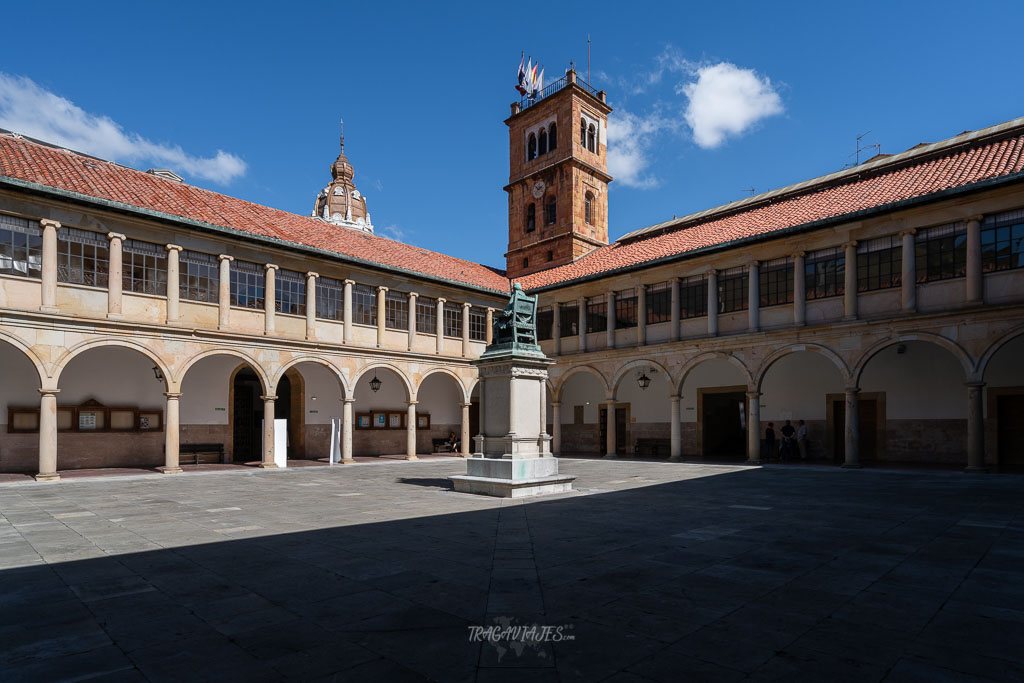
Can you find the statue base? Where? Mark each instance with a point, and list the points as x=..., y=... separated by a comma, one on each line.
x=508, y=477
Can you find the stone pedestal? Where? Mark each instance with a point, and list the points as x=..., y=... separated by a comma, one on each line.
x=512, y=454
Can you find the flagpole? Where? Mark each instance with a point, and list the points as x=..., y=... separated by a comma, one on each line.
x=588, y=58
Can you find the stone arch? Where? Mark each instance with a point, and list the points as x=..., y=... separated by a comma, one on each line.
x=19, y=344
x=317, y=360
x=625, y=369
x=576, y=370
x=444, y=371
x=712, y=355
x=248, y=360
x=65, y=359
x=821, y=349
x=410, y=391
x=993, y=349
x=967, y=363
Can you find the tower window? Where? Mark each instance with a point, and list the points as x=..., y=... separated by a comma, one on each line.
x=551, y=255
x=591, y=137
x=531, y=147
x=543, y=144
x=531, y=217
x=583, y=132
x=526, y=262
x=550, y=211
x=552, y=137
x=589, y=208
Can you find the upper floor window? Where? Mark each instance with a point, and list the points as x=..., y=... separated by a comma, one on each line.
x=625, y=309
x=531, y=147
x=588, y=208
x=21, y=247
x=552, y=137
x=426, y=315
x=825, y=272
x=775, y=282
x=658, y=300
x=542, y=144
x=477, y=324
x=569, y=319
x=144, y=267
x=198, y=277
x=531, y=217
x=82, y=257
x=941, y=252
x=597, y=314
x=879, y=264
x=364, y=305
x=732, y=290
x=452, y=320
x=246, y=284
x=550, y=210
x=693, y=296
x=289, y=292
x=545, y=323
x=583, y=132
x=1002, y=242
x=396, y=310
x=330, y=299
x=592, y=137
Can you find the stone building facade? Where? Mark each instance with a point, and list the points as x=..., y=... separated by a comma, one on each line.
x=142, y=319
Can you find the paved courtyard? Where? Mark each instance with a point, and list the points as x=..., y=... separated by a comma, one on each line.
x=650, y=571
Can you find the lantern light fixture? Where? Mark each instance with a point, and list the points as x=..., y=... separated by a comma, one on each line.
x=158, y=374
x=643, y=380
x=375, y=383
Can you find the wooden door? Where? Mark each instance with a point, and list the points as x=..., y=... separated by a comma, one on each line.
x=1010, y=427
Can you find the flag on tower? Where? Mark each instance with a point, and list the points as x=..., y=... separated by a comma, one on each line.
x=521, y=75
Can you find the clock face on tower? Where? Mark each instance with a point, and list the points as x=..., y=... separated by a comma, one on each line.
x=538, y=189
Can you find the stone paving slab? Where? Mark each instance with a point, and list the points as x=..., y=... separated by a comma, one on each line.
x=650, y=571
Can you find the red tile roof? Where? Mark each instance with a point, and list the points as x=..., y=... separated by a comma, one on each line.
x=955, y=163
x=41, y=164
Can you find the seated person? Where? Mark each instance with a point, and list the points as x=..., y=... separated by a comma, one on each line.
x=453, y=442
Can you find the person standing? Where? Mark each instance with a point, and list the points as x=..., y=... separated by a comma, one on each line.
x=788, y=432
x=769, y=442
x=801, y=440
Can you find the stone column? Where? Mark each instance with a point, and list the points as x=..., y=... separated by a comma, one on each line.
x=611, y=320
x=975, y=428
x=48, y=294
x=753, y=428
x=412, y=319
x=347, y=314
x=545, y=438
x=464, y=437
x=754, y=296
x=676, y=443
x=909, y=284
x=269, y=297
x=440, y=325
x=115, y=273
x=173, y=283
x=48, y=435
x=171, y=434
x=712, y=303
x=851, y=434
x=346, y=431
x=799, y=289
x=850, y=281
x=268, y=432
x=609, y=444
x=311, y=277
x=581, y=322
x=975, y=283
x=224, y=292
x=556, y=326
x=465, y=329
x=489, y=332
x=410, y=432
x=675, y=310
x=382, y=293
x=513, y=403
x=556, y=428
x=641, y=315
x=483, y=413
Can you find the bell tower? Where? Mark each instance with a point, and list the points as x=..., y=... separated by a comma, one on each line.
x=558, y=176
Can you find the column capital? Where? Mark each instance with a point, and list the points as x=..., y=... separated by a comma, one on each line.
x=851, y=390
x=268, y=399
x=711, y=271
x=753, y=394
x=466, y=405
x=411, y=403
x=48, y=392
x=555, y=404
x=381, y=288
x=673, y=399
x=115, y=236
x=172, y=395
x=466, y=304
x=851, y=243
x=909, y=231
x=977, y=384
x=270, y=266
x=413, y=295
x=348, y=400
x=312, y=273
x=977, y=217
x=225, y=257
x=753, y=264
x=47, y=223
x=172, y=247
x=348, y=282
x=442, y=300
x=798, y=254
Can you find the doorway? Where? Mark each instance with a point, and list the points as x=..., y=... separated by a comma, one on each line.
x=1010, y=430
x=621, y=425
x=247, y=414
x=867, y=420
x=723, y=420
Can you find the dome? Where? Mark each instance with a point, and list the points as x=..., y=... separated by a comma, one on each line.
x=340, y=202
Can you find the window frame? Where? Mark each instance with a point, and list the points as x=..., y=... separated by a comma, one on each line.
x=626, y=303
x=693, y=289
x=597, y=314
x=396, y=310
x=825, y=273
x=198, y=272
x=531, y=217
x=733, y=290
x=942, y=248
x=147, y=260
x=251, y=277
x=874, y=257
x=545, y=323
x=330, y=299
x=289, y=292
x=775, y=282
x=21, y=242
x=452, y=320
x=88, y=246
x=426, y=315
x=568, y=320
x=477, y=324
x=550, y=210
x=657, y=303
x=361, y=313
x=1002, y=242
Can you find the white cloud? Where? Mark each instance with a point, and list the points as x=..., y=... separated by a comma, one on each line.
x=392, y=232
x=27, y=108
x=726, y=100
x=630, y=138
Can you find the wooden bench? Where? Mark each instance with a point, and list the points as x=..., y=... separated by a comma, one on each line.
x=194, y=450
x=652, y=447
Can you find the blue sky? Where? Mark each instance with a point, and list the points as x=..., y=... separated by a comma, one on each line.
x=710, y=100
